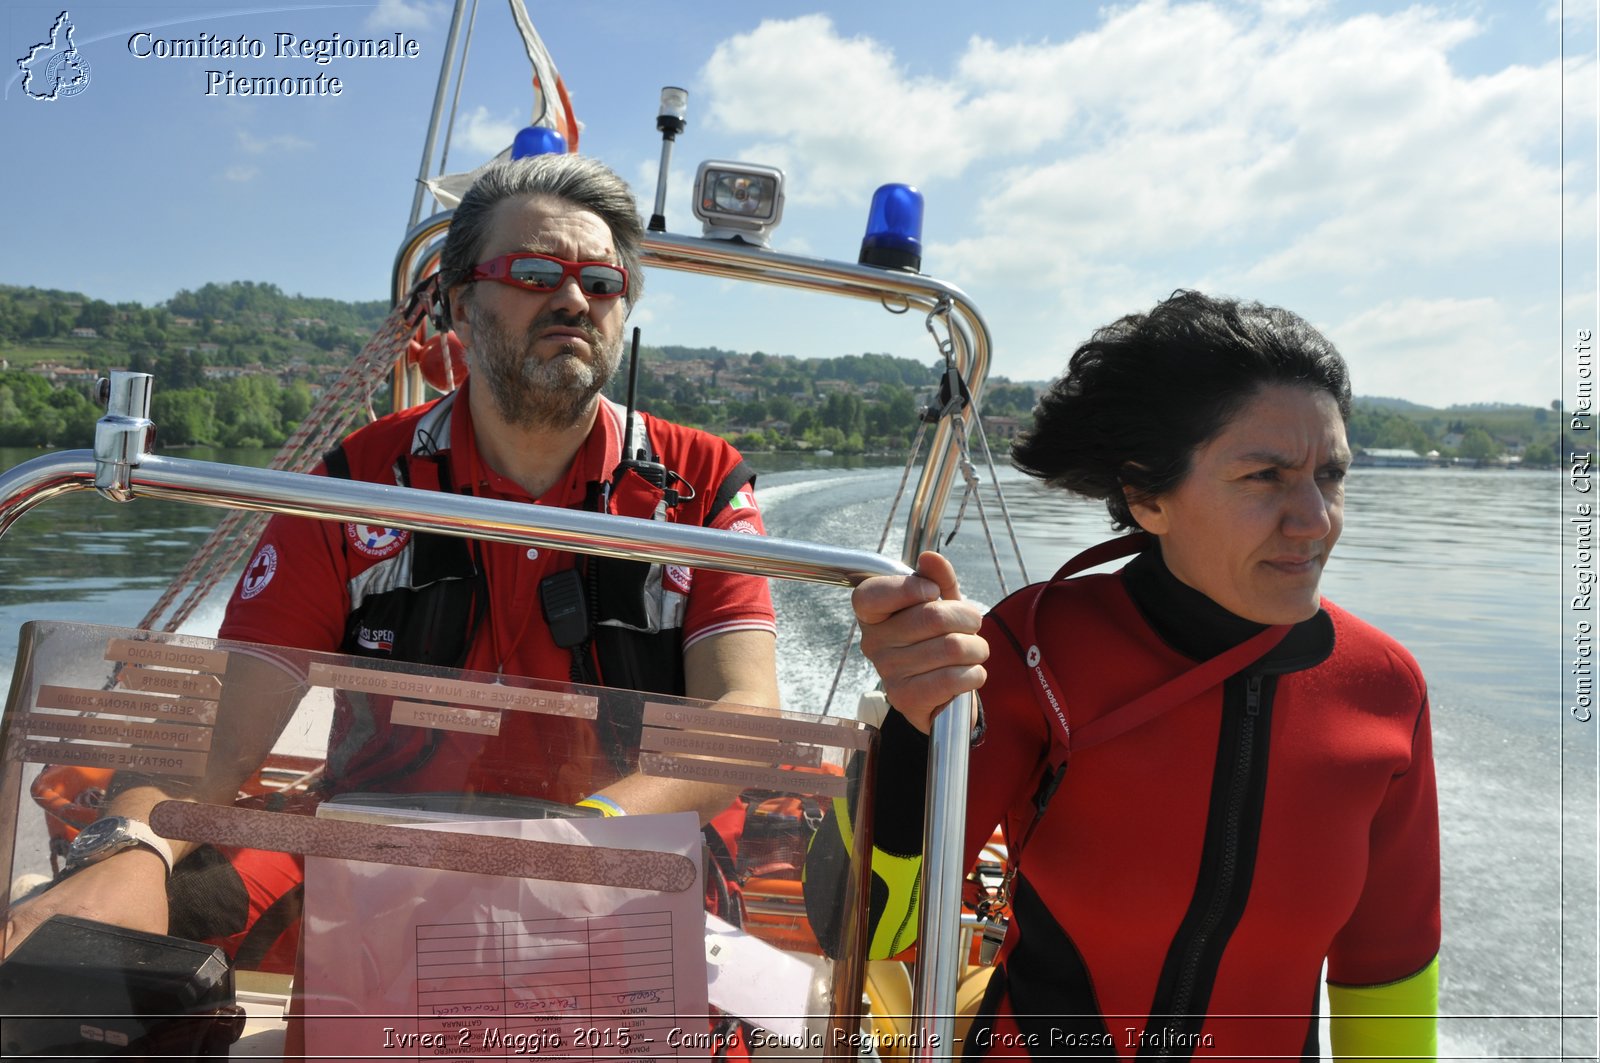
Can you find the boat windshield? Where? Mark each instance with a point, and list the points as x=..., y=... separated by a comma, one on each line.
x=409, y=842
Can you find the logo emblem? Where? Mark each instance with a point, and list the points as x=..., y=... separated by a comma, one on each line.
x=374, y=541
x=376, y=639
x=54, y=69
x=677, y=578
x=1033, y=656
x=259, y=572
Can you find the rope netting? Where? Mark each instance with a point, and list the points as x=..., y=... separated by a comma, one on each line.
x=342, y=407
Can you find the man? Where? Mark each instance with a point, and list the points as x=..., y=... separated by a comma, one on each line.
x=538, y=274
x=539, y=271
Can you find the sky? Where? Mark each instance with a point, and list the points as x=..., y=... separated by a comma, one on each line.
x=1418, y=181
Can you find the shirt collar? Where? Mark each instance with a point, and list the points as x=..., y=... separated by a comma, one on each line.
x=453, y=440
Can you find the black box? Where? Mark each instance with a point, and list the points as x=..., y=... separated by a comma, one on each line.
x=75, y=987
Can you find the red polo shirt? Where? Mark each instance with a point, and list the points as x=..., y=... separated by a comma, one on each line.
x=298, y=589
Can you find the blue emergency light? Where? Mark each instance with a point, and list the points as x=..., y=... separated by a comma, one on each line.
x=894, y=229
x=538, y=140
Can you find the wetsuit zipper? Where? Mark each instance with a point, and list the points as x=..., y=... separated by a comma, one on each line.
x=1238, y=787
x=898, y=943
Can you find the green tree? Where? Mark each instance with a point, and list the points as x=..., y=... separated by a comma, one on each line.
x=78, y=414
x=780, y=408
x=34, y=413
x=1005, y=399
x=828, y=438
x=94, y=314
x=844, y=412
x=13, y=418
x=294, y=402
x=1479, y=445
x=1400, y=433
x=247, y=412
x=748, y=441
x=187, y=415
x=1540, y=454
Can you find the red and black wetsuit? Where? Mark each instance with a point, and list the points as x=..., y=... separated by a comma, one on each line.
x=1187, y=880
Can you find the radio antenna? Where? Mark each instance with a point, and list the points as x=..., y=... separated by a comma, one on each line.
x=633, y=384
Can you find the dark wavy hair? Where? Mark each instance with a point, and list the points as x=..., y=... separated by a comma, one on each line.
x=1149, y=389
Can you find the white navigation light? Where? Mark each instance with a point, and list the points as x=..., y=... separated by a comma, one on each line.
x=739, y=200
x=670, y=120
x=674, y=109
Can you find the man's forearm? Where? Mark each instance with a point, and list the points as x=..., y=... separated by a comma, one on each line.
x=258, y=698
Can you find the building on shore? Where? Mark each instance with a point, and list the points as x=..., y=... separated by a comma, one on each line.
x=1392, y=458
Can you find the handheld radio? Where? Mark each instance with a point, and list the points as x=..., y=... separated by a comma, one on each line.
x=641, y=460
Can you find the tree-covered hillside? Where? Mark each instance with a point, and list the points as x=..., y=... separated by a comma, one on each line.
x=241, y=363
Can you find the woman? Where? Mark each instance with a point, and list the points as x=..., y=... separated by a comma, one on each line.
x=1211, y=780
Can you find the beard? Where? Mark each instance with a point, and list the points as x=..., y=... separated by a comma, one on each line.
x=554, y=393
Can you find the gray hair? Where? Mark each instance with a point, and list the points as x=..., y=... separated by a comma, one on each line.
x=577, y=179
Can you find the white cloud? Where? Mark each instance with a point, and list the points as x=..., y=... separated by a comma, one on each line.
x=659, y=309
x=405, y=15
x=1580, y=14
x=1581, y=213
x=1444, y=351
x=798, y=79
x=483, y=136
x=1326, y=145
x=251, y=144
x=1579, y=307
x=1349, y=166
x=680, y=193
x=1290, y=8
x=1579, y=99
x=241, y=174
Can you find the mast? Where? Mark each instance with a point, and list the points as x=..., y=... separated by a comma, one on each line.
x=446, y=64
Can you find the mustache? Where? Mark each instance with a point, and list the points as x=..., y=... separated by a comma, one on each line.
x=557, y=318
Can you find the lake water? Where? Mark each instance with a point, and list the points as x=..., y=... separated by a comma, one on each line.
x=1462, y=566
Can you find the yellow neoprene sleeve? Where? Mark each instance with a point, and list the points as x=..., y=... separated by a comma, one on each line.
x=1395, y=1021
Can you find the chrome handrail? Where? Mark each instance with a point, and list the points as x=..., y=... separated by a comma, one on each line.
x=939, y=961
x=222, y=486
x=123, y=475
x=939, y=958
x=736, y=261
x=745, y=262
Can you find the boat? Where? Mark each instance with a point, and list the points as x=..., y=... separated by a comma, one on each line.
x=784, y=969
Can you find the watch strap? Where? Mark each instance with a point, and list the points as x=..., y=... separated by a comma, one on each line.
x=133, y=833
x=146, y=836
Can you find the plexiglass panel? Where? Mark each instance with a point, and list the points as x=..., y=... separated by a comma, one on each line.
x=407, y=844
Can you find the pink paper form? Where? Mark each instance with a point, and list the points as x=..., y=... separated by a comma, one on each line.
x=409, y=963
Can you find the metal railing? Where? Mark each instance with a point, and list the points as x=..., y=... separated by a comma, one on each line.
x=121, y=469
x=940, y=960
x=744, y=262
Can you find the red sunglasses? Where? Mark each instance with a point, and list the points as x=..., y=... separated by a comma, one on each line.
x=543, y=273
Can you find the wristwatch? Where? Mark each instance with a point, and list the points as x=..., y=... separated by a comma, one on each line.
x=106, y=837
